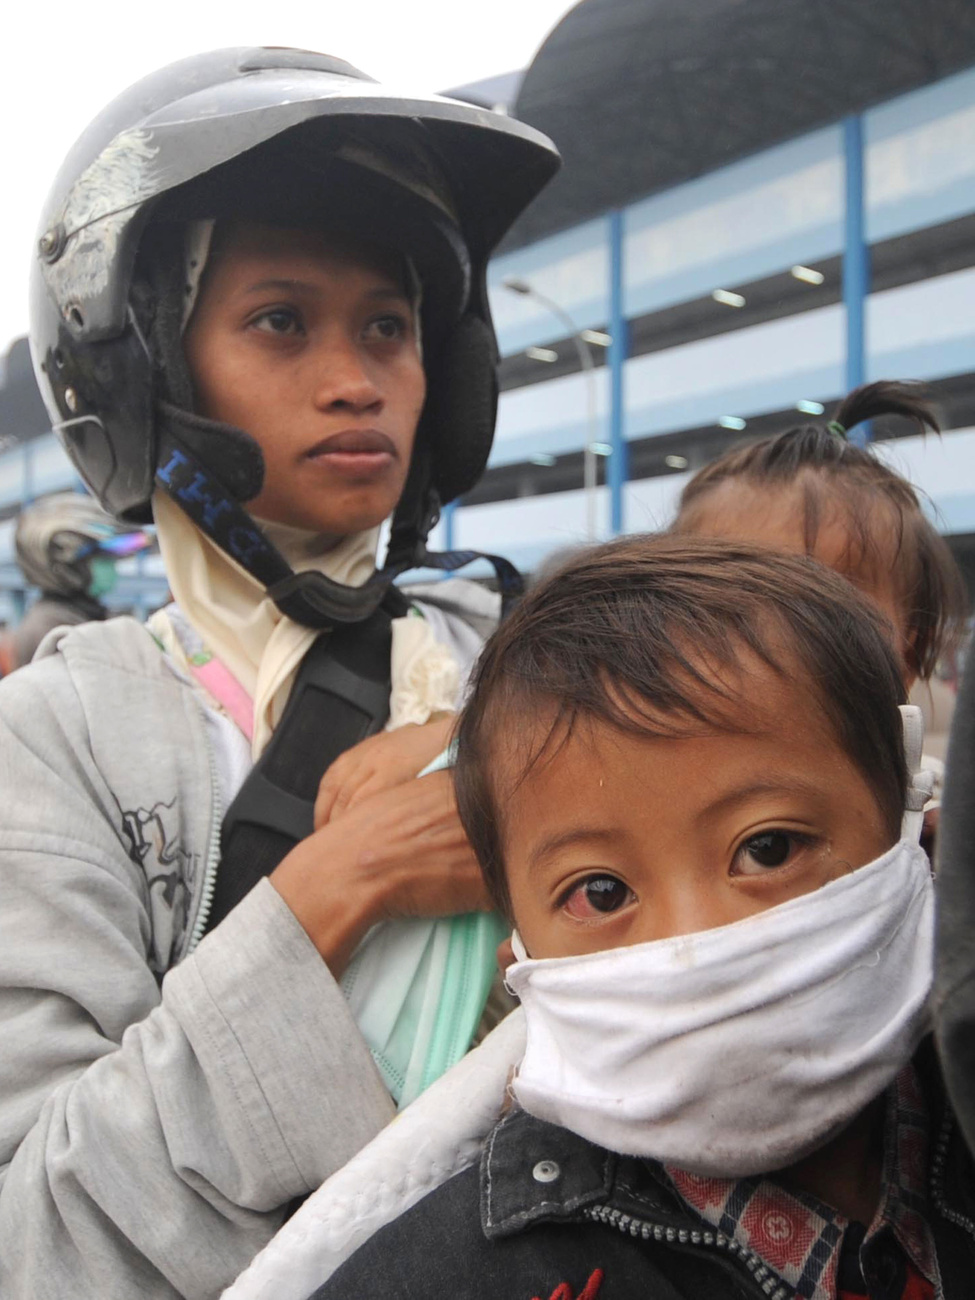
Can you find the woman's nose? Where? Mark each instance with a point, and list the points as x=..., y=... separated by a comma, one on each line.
x=344, y=380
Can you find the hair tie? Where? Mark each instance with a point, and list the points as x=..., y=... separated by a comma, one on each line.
x=836, y=428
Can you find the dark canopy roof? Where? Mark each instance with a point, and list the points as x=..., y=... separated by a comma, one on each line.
x=22, y=413
x=642, y=94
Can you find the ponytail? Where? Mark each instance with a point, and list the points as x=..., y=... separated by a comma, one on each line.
x=884, y=398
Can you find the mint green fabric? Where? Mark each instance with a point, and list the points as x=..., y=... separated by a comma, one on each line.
x=418, y=987
x=470, y=969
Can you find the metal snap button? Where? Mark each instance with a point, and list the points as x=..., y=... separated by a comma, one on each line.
x=546, y=1171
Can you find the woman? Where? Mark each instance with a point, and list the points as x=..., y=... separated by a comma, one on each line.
x=259, y=307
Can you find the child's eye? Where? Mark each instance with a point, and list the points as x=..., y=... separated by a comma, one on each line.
x=278, y=320
x=766, y=851
x=596, y=897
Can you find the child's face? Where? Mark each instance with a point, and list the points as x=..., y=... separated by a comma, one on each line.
x=310, y=347
x=620, y=839
x=738, y=511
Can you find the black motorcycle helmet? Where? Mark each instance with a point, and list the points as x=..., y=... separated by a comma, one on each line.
x=284, y=136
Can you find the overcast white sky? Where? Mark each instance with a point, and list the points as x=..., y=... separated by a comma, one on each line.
x=64, y=61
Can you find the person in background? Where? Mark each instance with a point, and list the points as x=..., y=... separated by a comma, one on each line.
x=812, y=491
x=67, y=547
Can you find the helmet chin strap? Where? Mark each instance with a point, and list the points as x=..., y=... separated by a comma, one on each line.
x=309, y=598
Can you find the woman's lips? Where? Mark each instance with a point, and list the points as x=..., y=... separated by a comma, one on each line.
x=354, y=451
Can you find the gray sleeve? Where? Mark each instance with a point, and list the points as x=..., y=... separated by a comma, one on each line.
x=150, y=1138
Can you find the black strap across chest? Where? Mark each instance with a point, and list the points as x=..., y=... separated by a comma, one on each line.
x=340, y=696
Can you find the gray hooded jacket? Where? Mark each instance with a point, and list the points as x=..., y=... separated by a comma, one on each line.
x=154, y=1126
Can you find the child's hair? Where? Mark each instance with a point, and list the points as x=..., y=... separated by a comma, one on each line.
x=830, y=471
x=635, y=634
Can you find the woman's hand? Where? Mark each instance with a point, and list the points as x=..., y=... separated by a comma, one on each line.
x=379, y=763
x=400, y=852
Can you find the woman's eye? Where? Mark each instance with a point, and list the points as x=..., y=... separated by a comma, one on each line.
x=597, y=896
x=765, y=851
x=388, y=328
x=279, y=320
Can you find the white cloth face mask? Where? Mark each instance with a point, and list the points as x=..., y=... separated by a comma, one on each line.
x=741, y=1049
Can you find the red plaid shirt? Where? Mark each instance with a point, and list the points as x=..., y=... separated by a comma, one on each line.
x=801, y=1240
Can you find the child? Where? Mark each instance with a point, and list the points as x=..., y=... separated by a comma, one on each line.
x=683, y=771
x=811, y=490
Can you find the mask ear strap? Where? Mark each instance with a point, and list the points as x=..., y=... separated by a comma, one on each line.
x=919, y=783
x=521, y=954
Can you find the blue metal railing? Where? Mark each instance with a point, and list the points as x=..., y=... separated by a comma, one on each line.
x=856, y=262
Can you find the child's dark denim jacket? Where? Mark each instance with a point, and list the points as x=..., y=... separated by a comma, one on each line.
x=550, y=1216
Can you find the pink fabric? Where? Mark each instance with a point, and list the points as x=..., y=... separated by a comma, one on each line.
x=227, y=691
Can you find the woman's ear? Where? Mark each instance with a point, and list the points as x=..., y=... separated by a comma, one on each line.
x=505, y=955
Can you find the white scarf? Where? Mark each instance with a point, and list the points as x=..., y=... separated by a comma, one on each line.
x=239, y=623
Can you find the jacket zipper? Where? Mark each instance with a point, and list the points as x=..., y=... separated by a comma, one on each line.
x=213, y=848
x=938, y=1162
x=772, y=1286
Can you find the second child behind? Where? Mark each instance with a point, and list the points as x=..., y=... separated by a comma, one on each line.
x=812, y=491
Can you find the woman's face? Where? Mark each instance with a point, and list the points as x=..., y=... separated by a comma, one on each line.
x=309, y=345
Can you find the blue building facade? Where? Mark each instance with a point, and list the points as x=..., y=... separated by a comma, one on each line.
x=775, y=215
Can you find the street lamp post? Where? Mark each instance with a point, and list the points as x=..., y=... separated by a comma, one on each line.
x=588, y=366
